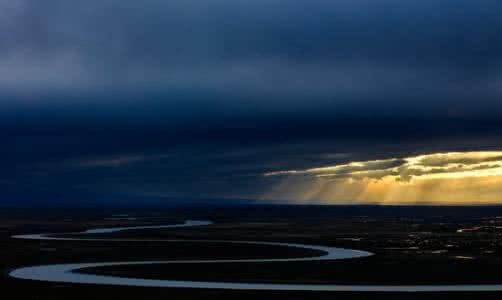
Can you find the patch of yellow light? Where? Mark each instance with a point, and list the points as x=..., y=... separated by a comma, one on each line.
x=438, y=178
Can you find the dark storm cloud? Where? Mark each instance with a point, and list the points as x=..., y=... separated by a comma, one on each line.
x=200, y=98
x=75, y=166
x=265, y=54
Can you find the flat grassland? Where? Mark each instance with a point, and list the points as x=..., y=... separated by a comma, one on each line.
x=412, y=246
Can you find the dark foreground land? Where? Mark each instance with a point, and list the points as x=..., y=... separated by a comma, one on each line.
x=412, y=245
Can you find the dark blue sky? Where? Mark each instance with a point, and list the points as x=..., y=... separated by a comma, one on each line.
x=197, y=99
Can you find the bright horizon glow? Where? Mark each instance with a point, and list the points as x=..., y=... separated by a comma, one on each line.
x=438, y=178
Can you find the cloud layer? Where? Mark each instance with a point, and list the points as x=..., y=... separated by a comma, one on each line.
x=200, y=98
x=439, y=178
x=272, y=55
x=437, y=165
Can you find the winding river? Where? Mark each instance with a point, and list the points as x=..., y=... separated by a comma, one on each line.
x=68, y=272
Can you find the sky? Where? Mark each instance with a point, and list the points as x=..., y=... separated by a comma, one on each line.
x=314, y=102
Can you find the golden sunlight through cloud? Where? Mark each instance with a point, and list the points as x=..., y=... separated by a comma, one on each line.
x=439, y=178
